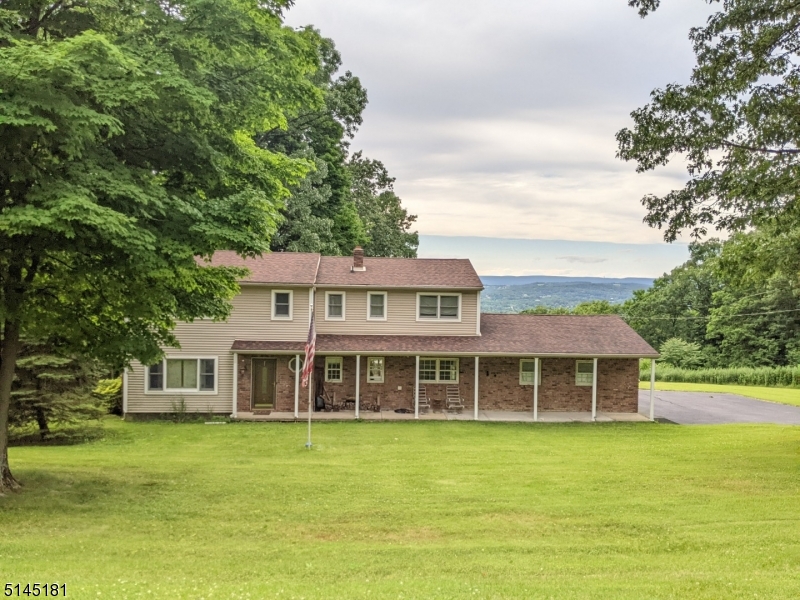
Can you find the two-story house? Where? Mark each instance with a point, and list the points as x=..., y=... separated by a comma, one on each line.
x=392, y=333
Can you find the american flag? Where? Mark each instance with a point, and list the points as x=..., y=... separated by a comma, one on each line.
x=308, y=366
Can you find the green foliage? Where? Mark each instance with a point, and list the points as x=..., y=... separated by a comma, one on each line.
x=387, y=224
x=110, y=393
x=53, y=389
x=593, y=307
x=738, y=300
x=736, y=123
x=127, y=151
x=758, y=376
x=682, y=354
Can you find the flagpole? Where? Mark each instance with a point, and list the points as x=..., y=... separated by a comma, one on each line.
x=308, y=366
x=310, y=397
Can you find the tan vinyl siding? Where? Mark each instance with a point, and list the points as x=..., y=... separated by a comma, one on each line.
x=249, y=320
x=401, y=315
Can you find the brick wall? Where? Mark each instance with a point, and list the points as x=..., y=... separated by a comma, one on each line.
x=617, y=386
x=284, y=379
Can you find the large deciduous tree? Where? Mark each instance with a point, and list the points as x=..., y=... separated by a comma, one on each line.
x=126, y=151
x=736, y=123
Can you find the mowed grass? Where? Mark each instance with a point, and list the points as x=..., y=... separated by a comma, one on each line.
x=770, y=394
x=410, y=510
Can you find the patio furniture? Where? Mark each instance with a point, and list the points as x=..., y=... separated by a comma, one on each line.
x=424, y=401
x=454, y=399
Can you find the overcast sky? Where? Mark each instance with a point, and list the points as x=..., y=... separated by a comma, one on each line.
x=498, y=118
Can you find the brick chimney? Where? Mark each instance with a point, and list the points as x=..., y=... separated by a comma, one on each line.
x=358, y=259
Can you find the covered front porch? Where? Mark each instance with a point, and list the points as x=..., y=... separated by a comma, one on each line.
x=445, y=387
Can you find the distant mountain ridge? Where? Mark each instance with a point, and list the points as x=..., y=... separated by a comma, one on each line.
x=526, y=279
x=507, y=294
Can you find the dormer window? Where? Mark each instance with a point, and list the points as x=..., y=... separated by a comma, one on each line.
x=334, y=306
x=439, y=306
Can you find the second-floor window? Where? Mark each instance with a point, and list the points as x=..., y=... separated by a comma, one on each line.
x=334, y=306
x=376, y=306
x=282, y=304
x=439, y=306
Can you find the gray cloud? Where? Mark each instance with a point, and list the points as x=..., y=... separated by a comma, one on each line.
x=498, y=119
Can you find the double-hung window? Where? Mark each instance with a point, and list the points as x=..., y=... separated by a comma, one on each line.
x=439, y=306
x=333, y=369
x=438, y=370
x=334, y=306
x=527, y=371
x=584, y=371
x=375, y=369
x=183, y=375
x=282, y=305
x=376, y=306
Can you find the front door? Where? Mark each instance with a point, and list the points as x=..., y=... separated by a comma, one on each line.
x=263, y=395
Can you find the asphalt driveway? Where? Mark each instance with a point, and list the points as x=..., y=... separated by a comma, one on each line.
x=700, y=408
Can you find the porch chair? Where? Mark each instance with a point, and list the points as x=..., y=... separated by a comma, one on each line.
x=424, y=401
x=454, y=399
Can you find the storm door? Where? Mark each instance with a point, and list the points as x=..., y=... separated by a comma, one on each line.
x=263, y=394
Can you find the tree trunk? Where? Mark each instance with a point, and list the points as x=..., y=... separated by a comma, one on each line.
x=41, y=420
x=9, y=348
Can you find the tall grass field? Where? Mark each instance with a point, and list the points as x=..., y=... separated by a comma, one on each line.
x=410, y=510
x=760, y=376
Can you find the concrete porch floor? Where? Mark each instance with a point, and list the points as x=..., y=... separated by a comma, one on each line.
x=483, y=415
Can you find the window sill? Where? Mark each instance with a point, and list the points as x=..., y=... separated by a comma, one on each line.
x=179, y=392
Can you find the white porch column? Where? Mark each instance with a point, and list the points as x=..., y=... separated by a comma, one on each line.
x=416, y=390
x=652, y=389
x=594, y=389
x=536, y=389
x=477, y=373
x=235, y=392
x=358, y=383
x=296, y=386
x=125, y=391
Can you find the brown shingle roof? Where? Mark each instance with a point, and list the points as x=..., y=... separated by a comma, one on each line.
x=287, y=268
x=543, y=335
x=399, y=272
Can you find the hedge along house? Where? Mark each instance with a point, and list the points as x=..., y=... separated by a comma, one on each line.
x=392, y=333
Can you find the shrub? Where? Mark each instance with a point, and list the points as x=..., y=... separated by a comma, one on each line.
x=682, y=354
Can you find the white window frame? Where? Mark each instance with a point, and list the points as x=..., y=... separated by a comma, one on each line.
x=328, y=317
x=383, y=370
x=291, y=306
x=529, y=360
x=334, y=359
x=438, y=316
x=195, y=390
x=578, y=380
x=385, y=306
x=439, y=370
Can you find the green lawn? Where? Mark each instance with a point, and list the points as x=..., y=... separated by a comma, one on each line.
x=410, y=510
x=771, y=394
